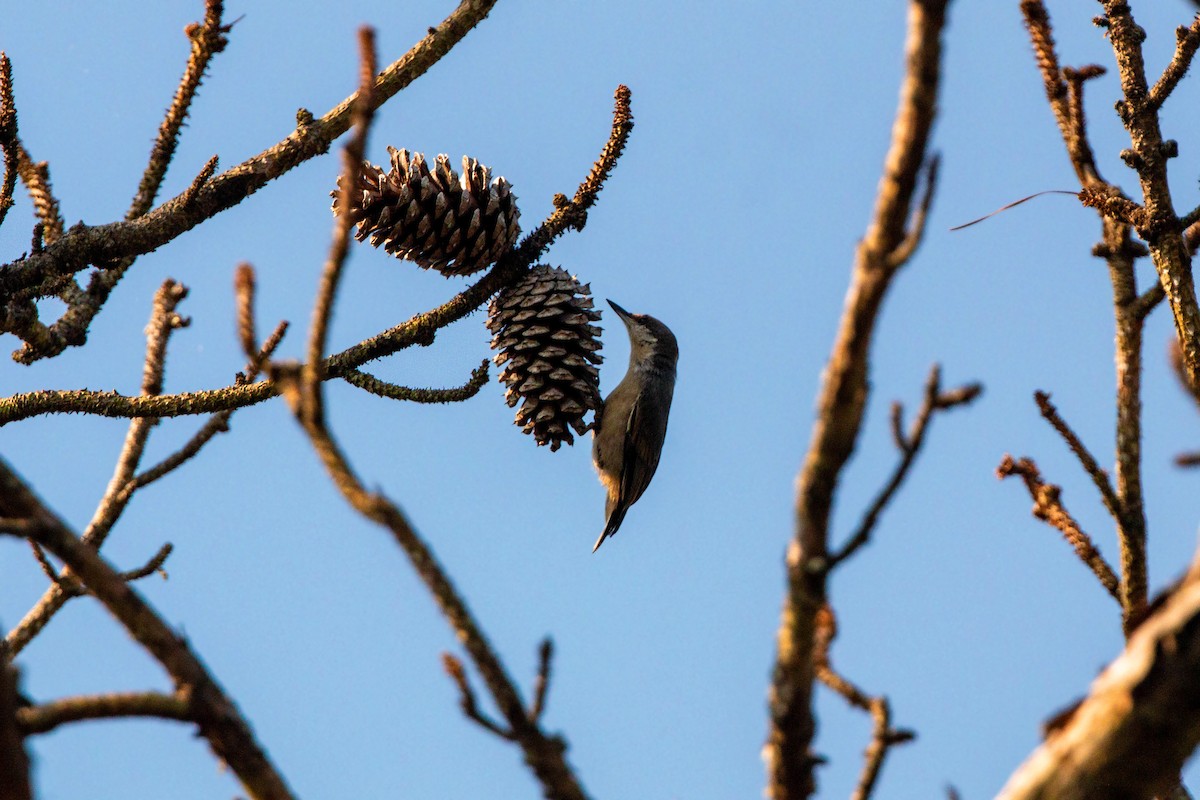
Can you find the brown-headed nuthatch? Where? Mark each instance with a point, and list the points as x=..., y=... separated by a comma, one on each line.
x=632, y=423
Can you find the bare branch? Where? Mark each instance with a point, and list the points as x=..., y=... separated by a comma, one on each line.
x=883, y=736
x=1186, y=42
x=9, y=142
x=843, y=395
x=112, y=243
x=1086, y=459
x=302, y=388
x=541, y=686
x=163, y=320
x=909, y=444
x=1149, y=155
x=219, y=720
x=470, y=706
x=207, y=39
x=1048, y=507
x=1130, y=737
x=45, y=717
x=14, y=763
x=392, y=391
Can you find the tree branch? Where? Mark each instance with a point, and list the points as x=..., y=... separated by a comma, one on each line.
x=45, y=717
x=1048, y=507
x=883, y=736
x=220, y=722
x=14, y=763
x=935, y=400
x=841, y=402
x=1140, y=722
x=302, y=388
x=1162, y=229
x=392, y=391
x=103, y=244
x=9, y=142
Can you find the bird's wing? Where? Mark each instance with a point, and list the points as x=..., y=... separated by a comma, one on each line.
x=643, y=440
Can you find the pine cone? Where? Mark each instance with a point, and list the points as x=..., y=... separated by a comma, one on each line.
x=547, y=347
x=433, y=217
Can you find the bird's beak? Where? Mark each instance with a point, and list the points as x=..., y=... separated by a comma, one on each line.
x=625, y=316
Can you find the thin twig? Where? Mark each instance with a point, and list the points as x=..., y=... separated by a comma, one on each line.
x=244, y=283
x=541, y=685
x=1086, y=459
x=883, y=736
x=207, y=38
x=45, y=717
x=339, y=248
x=1048, y=507
x=163, y=321
x=1188, y=459
x=9, y=142
x=466, y=698
x=392, y=391
x=155, y=564
x=916, y=225
x=909, y=444
x=64, y=582
x=36, y=177
x=202, y=177
x=1186, y=42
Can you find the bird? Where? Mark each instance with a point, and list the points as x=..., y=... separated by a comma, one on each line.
x=631, y=424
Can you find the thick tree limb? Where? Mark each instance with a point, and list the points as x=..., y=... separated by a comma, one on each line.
x=14, y=763
x=1138, y=725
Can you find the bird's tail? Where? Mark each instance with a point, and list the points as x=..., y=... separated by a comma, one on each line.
x=614, y=521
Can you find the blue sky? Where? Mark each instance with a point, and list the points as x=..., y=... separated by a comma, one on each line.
x=733, y=217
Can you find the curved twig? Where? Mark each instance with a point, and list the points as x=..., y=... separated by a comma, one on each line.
x=392, y=391
x=45, y=717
